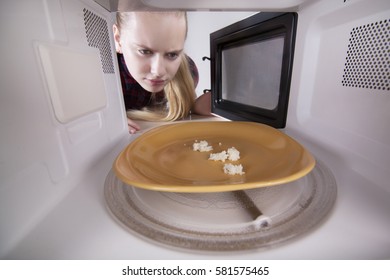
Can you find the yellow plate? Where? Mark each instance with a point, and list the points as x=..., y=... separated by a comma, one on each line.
x=162, y=159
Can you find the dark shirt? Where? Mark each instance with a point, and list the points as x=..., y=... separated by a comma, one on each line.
x=135, y=96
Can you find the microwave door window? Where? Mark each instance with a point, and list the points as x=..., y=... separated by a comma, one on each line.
x=251, y=73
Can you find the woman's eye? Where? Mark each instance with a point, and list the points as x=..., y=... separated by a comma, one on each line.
x=145, y=52
x=172, y=56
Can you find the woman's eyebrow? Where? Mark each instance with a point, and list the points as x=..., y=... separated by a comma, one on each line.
x=141, y=46
x=176, y=51
x=151, y=49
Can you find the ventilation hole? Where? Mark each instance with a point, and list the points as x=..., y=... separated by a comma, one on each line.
x=367, y=61
x=96, y=31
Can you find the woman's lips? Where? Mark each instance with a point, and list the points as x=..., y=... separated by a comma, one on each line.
x=156, y=82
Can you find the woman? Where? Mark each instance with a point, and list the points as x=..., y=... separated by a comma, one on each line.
x=156, y=74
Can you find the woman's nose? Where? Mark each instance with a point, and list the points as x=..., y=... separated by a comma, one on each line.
x=158, y=66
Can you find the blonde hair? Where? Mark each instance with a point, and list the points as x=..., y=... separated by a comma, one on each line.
x=179, y=92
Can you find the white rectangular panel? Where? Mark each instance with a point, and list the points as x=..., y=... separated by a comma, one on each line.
x=75, y=81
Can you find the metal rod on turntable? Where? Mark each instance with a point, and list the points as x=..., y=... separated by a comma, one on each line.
x=253, y=210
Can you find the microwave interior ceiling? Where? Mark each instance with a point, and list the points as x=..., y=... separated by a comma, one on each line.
x=201, y=5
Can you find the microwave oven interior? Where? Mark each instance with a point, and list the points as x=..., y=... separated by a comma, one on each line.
x=251, y=65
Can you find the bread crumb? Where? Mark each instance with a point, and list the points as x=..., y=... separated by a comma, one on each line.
x=202, y=146
x=222, y=156
x=231, y=154
x=233, y=169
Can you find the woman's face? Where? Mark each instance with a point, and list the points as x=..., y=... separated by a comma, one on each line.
x=152, y=46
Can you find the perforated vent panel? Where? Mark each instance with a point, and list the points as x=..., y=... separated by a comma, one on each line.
x=367, y=61
x=96, y=30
